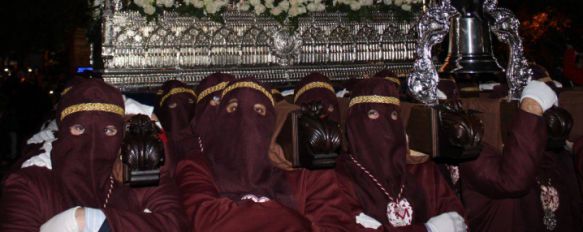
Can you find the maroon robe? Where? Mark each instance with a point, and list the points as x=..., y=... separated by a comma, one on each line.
x=82, y=173
x=205, y=113
x=175, y=110
x=494, y=184
x=320, y=203
x=214, y=186
x=31, y=197
x=379, y=146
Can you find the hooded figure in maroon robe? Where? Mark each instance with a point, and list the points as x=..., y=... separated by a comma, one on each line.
x=208, y=94
x=89, y=139
x=524, y=188
x=235, y=187
x=390, y=76
x=175, y=109
x=317, y=88
x=374, y=172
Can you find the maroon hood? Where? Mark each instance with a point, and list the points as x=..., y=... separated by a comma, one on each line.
x=175, y=105
x=205, y=113
x=317, y=88
x=83, y=163
x=379, y=145
x=240, y=160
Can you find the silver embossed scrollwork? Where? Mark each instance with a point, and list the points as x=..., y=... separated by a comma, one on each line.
x=286, y=46
x=505, y=27
x=432, y=27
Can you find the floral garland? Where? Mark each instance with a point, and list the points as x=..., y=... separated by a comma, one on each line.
x=281, y=10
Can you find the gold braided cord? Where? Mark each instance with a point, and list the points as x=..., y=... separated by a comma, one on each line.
x=394, y=80
x=212, y=89
x=177, y=91
x=66, y=90
x=104, y=107
x=374, y=99
x=248, y=84
x=313, y=85
x=470, y=89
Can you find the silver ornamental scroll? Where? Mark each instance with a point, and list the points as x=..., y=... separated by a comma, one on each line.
x=505, y=27
x=432, y=27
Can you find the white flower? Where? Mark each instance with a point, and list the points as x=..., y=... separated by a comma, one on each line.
x=254, y=2
x=388, y=2
x=197, y=3
x=406, y=7
x=243, y=6
x=355, y=6
x=269, y=4
x=321, y=7
x=366, y=2
x=293, y=11
x=284, y=5
x=301, y=10
x=165, y=3
x=398, y=2
x=259, y=9
x=149, y=9
x=276, y=11
x=211, y=8
x=312, y=7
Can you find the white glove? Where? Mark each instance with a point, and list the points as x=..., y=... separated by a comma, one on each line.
x=488, y=86
x=342, y=93
x=62, y=222
x=541, y=93
x=367, y=221
x=446, y=222
x=441, y=95
x=287, y=92
x=41, y=137
x=43, y=159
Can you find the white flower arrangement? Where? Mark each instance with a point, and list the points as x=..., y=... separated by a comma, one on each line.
x=280, y=9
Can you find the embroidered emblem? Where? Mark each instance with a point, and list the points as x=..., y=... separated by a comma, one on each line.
x=400, y=214
x=549, y=197
x=454, y=173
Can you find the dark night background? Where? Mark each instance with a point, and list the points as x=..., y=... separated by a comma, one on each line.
x=38, y=50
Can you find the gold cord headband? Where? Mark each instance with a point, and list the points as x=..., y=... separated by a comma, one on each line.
x=374, y=99
x=212, y=89
x=248, y=84
x=177, y=91
x=394, y=80
x=104, y=107
x=66, y=90
x=313, y=85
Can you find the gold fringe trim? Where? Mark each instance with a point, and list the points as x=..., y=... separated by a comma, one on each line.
x=212, y=89
x=374, y=99
x=248, y=84
x=313, y=85
x=104, y=107
x=177, y=91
